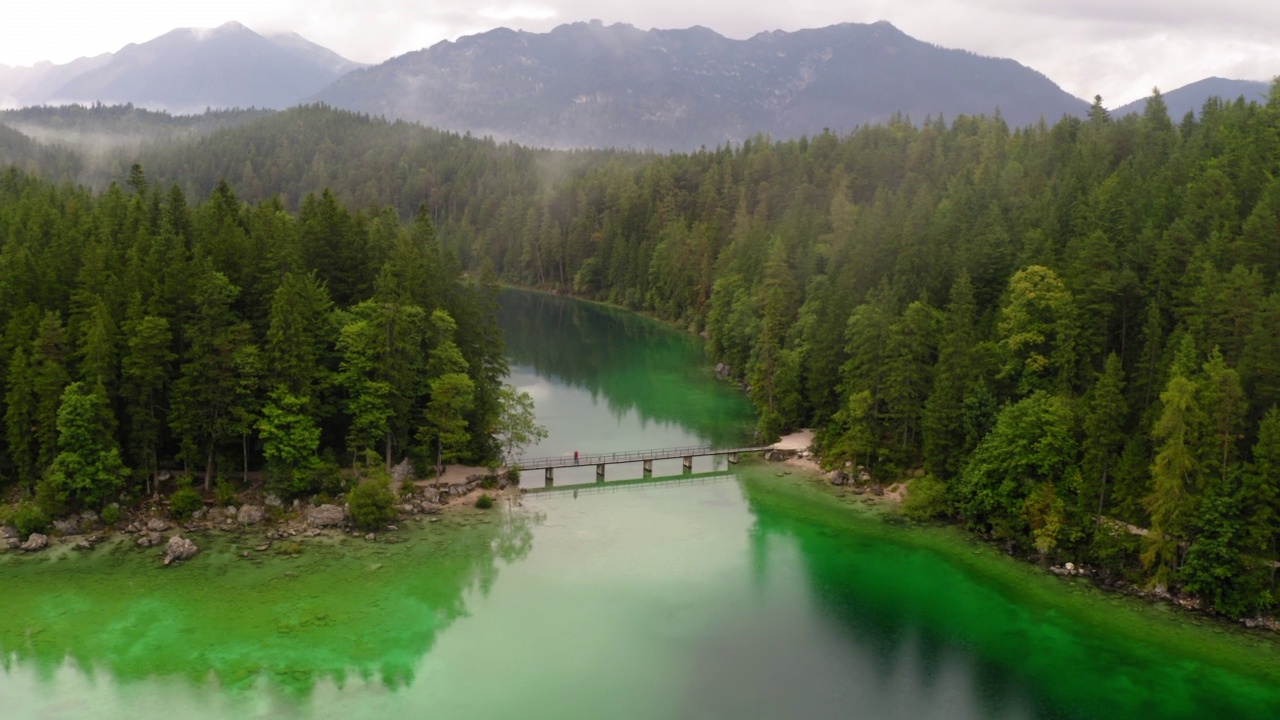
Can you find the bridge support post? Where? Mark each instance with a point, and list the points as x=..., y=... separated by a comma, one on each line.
x=648, y=468
x=551, y=477
x=688, y=464
x=600, y=472
x=733, y=458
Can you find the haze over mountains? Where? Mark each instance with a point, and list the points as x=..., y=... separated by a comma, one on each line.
x=597, y=85
x=185, y=71
x=586, y=84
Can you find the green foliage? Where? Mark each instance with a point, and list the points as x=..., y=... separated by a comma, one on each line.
x=87, y=471
x=372, y=504
x=29, y=518
x=516, y=427
x=184, y=501
x=484, y=502
x=111, y=514
x=927, y=500
x=224, y=493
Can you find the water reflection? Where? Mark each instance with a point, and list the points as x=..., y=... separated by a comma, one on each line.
x=938, y=632
x=632, y=364
x=340, y=612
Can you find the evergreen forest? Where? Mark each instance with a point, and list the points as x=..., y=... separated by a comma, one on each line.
x=1067, y=334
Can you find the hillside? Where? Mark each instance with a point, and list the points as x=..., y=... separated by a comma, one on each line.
x=591, y=85
x=1191, y=98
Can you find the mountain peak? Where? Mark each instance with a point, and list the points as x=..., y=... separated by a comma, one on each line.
x=587, y=84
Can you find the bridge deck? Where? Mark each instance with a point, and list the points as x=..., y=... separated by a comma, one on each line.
x=561, y=461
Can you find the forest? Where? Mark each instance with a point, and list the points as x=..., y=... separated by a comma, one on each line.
x=146, y=337
x=1068, y=334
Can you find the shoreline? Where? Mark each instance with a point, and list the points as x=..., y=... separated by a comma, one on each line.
x=261, y=519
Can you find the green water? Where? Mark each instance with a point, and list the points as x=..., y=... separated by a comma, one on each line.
x=744, y=595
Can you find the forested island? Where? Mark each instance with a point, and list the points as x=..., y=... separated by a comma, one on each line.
x=1067, y=333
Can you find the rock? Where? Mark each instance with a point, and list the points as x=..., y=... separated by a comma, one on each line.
x=179, y=549
x=371, y=537
x=132, y=528
x=157, y=525
x=35, y=542
x=402, y=472
x=1070, y=567
x=877, y=490
x=150, y=539
x=89, y=519
x=198, y=515
x=392, y=527
x=67, y=527
x=273, y=501
x=251, y=514
x=12, y=543
x=431, y=496
x=326, y=516
x=87, y=543
x=864, y=477
x=8, y=532
x=263, y=547
x=838, y=477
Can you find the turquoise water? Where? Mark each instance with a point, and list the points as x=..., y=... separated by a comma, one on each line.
x=742, y=595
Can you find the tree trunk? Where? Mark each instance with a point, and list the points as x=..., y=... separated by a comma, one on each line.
x=388, y=451
x=208, y=470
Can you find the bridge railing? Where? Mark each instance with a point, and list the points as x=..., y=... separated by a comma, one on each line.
x=629, y=456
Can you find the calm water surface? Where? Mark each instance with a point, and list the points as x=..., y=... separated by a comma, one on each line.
x=743, y=595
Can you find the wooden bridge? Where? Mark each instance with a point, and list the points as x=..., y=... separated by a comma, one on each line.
x=687, y=454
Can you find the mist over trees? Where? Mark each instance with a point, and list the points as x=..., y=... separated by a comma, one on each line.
x=1072, y=328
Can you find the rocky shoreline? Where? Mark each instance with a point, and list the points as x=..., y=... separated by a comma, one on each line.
x=153, y=526
x=858, y=482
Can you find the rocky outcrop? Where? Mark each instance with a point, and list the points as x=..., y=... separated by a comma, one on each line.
x=157, y=525
x=326, y=516
x=250, y=514
x=150, y=539
x=35, y=542
x=8, y=532
x=179, y=549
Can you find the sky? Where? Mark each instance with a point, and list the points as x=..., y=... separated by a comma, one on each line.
x=1118, y=49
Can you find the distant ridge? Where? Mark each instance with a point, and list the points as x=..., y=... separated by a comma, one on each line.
x=185, y=71
x=1191, y=98
x=592, y=85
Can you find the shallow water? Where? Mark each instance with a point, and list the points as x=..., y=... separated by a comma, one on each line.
x=743, y=595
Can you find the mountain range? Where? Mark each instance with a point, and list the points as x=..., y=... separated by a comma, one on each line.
x=185, y=71
x=586, y=84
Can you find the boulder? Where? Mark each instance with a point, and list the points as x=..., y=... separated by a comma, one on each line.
x=157, y=525
x=150, y=539
x=273, y=501
x=326, y=516
x=8, y=531
x=35, y=542
x=402, y=472
x=250, y=514
x=87, y=543
x=67, y=527
x=12, y=543
x=838, y=477
x=877, y=490
x=89, y=519
x=179, y=549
